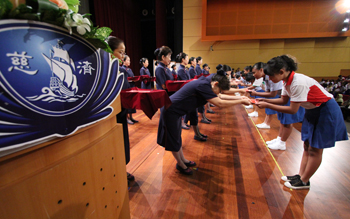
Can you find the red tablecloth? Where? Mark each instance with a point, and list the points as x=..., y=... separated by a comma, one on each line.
x=198, y=76
x=149, y=101
x=134, y=79
x=173, y=86
x=144, y=78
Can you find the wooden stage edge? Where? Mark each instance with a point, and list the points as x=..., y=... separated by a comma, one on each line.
x=236, y=175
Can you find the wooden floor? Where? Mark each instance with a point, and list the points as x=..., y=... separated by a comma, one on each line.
x=237, y=176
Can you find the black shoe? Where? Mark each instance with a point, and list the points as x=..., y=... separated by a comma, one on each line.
x=130, y=177
x=203, y=135
x=187, y=171
x=199, y=138
x=297, y=184
x=190, y=164
x=290, y=178
x=133, y=120
x=188, y=125
x=208, y=119
x=210, y=111
x=185, y=127
x=205, y=121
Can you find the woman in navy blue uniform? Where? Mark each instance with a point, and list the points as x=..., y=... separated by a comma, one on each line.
x=163, y=55
x=144, y=71
x=198, y=66
x=205, y=70
x=118, y=48
x=192, y=95
x=169, y=73
x=191, y=71
x=173, y=72
x=182, y=73
x=127, y=71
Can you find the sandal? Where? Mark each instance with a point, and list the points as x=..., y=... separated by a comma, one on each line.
x=190, y=164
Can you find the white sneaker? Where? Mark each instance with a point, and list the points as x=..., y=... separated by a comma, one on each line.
x=279, y=145
x=249, y=107
x=272, y=141
x=263, y=126
x=253, y=114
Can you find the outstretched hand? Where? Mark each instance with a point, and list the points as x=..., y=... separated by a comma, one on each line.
x=261, y=104
x=252, y=92
x=246, y=102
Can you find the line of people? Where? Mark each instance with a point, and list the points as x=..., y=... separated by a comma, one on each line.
x=323, y=122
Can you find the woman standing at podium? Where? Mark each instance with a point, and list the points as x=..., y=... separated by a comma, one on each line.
x=144, y=71
x=118, y=48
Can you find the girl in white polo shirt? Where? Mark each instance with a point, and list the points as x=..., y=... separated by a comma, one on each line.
x=323, y=123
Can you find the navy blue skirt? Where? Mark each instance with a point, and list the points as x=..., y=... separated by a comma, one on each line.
x=324, y=125
x=286, y=118
x=169, y=130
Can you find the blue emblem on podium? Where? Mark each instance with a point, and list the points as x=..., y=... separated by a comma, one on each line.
x=52, y=83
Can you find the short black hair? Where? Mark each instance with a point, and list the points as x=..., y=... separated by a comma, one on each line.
x=275, y=64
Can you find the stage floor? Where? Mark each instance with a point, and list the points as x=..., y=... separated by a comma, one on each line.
x=236, y=175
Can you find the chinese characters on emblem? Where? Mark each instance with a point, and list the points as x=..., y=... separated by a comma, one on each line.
x=86, y=67
x=20, y=62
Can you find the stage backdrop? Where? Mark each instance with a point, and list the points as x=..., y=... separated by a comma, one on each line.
x=318, y=56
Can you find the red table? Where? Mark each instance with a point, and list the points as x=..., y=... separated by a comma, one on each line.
x=173, y=86
x=149, y=101
x=144, y=78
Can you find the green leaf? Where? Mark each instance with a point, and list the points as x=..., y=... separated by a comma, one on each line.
x=73, y=5
x=72, y=2
x=5, y=8
x=104, y=32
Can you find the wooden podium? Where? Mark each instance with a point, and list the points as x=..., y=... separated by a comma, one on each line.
x=79, y=176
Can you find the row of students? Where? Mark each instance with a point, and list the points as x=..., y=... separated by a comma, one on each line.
x=323, y=123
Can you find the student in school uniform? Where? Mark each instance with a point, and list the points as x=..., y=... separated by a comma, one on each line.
x=163, y=55
x=198, y=69
x=144, y=71
x=118, y=47
x=286, y=120
x=323, y=123
x=257, y=86
x=127, y=71
x=273, y=91
x=192, y=61
x=192, y=95
x=182, y=73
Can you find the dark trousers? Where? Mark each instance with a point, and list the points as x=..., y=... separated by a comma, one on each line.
x=121, y=118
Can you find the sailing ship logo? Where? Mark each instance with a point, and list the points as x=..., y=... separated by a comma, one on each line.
x=63, y=83
x=51, y=83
